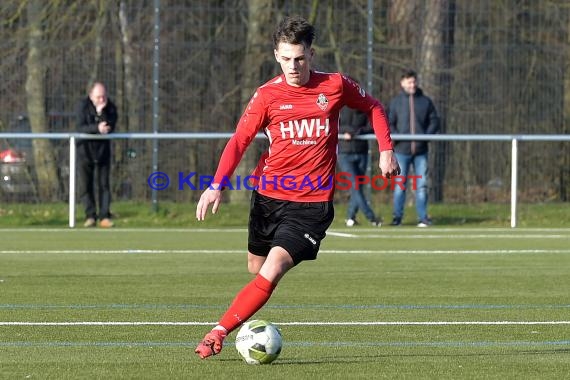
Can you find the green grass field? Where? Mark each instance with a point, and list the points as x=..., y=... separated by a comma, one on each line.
x=235, y=214
x=440, y=303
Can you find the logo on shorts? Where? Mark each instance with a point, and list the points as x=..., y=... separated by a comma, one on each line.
x=309, y=238
x=322, y=102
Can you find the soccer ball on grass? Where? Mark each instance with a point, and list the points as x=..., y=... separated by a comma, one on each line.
x=259, y=342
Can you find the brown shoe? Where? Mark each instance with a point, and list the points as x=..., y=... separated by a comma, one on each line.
x=106, y=223
x=89, y=222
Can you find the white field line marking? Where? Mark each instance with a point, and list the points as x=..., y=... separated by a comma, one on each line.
x=461, y=236
x=360, y=233
x=128, y=251
x=447, y=251
x=364, y=323
x=353, y=251
x=399, y=230
x=437, y=229
x=341, y=234
x=121, y=230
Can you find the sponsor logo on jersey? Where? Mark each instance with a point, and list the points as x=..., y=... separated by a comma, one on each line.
x=304, y=128
x=322, y=102
x=286, y=107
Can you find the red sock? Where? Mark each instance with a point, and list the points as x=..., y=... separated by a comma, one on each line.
x=247, y=302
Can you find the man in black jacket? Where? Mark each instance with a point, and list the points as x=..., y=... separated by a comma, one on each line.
x=96, y=115
x=411, y=112
x=353, y=160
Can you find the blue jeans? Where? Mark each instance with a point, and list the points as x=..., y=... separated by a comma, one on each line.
x=420, y=163
x=355, y=165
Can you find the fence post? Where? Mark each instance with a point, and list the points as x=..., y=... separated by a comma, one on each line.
x=72, y=172
x=514, y=159
x=155, y=94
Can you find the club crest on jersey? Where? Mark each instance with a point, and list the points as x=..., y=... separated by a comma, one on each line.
x=322, y=102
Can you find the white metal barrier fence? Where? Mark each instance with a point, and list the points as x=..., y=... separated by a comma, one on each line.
x=73, y=137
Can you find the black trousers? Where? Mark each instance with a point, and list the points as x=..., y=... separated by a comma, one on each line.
x=90, y=173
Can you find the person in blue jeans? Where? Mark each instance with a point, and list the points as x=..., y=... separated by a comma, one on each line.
x=353, y=160
x=411, y=112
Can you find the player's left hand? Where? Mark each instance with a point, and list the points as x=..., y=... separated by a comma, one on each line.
x=389, y=164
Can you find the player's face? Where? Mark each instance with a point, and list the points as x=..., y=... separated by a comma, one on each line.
x=295, y=61
x=409, y=85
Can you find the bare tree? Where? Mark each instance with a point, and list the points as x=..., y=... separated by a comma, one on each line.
x=257, y=46
x=401, y=35
x=565, y=164
x=490, y=66
x=431, y=55
x=44, y=158
x=131, y=83
x=100, y=23
x=433, y=65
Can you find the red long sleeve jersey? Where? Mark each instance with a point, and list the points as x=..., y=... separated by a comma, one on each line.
x=302, y=126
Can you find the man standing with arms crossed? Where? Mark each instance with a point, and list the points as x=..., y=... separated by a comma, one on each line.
x=298, y=111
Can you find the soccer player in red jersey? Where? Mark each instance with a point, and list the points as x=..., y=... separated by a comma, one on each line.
x=292, y=207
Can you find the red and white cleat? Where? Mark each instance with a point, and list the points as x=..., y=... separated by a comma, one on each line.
x=211, y=344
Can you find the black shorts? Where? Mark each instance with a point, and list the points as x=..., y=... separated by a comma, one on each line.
x=297, y=227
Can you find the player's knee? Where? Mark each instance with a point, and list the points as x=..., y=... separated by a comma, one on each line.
x=253, y=267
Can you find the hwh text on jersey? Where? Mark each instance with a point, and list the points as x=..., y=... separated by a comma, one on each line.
x=304, y=128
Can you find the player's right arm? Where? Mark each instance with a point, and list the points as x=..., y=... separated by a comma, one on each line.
x=252, y=120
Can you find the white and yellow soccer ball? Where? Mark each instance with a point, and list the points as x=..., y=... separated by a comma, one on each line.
x=259, y=342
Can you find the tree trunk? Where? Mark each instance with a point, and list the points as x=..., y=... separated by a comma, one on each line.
x=565, y=167
x=44, y=158
x=100, y=24
x=128, y=95
x=257, y=49
x=401, y=17
x=433, y=62
x=401, y=34
x=332, y=38
x=132, y=90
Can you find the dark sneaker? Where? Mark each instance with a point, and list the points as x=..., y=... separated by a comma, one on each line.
x=396, y=222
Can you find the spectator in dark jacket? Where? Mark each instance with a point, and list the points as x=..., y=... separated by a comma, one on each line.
x=411, y=112
x=97, y=115
x=353, y=160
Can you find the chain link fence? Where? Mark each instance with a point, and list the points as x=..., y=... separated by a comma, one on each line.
x=491, y=67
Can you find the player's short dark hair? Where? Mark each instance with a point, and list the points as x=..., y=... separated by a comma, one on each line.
x=409, y=73
x=294, y=30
